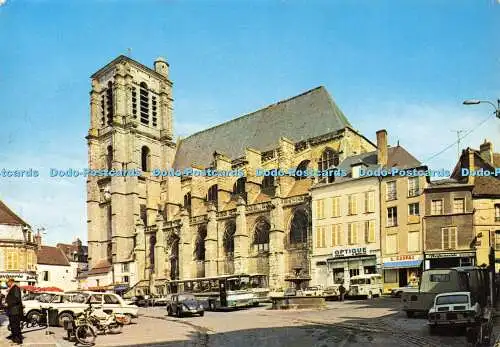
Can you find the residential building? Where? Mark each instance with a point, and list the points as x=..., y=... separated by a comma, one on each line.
x=148, y=228
x=17, y=248
x=77, y=255
x=54, y=269
x=449, y=225
x=473, y=167
x=401, y=209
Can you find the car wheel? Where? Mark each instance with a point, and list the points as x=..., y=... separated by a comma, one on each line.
x=127, y=320
x=179, y=313
x=202, y=313
x=33, y=317
x=65, y=316
x=410, y=314
x=169, y=311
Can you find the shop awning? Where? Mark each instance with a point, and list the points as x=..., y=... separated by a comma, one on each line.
x=402, y=264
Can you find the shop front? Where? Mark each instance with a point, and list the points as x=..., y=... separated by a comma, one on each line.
x=21, y=278
x=446, y=260
x=348, y=262
x=401, y=271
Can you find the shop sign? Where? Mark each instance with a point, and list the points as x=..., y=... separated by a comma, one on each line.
x=449, y=255
x=348, y=252
x=22, y=277
x=402, y=258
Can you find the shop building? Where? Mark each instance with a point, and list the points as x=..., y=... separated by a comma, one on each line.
x=448, y=225
x=17, y=249
x=401, y=202
x=346, y=222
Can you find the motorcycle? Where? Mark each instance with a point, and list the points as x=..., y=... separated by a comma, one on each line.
x=90, y=322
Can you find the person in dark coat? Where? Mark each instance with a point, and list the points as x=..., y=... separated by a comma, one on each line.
x=14, y=309
x=341, y=292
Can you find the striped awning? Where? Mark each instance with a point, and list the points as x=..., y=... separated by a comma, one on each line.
x=402, y=264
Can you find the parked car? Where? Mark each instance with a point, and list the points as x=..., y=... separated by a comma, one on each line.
x=453, y=310
x=368, y=285
x=184, y=304
x=396, y=292
x=157, y=300
x=69, y=305
x=138, y=300
x=293, y=292
x=313, y=291
x=331, y=292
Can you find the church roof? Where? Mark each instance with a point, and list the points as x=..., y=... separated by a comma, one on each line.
x=7, y=216
x=304, y=116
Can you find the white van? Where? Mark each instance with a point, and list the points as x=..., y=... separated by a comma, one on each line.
x=366, y=285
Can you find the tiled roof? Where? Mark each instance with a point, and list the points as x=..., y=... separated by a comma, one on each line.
x=48, y=255
x=9, y=217
x=103, y=266
x=397, y=157
x=261, y=198
x=68, y=249
x=305, y=116
x=486, y=186
x=300, y=187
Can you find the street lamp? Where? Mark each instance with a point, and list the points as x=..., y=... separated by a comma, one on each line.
x=469, y=102
x=491, y=256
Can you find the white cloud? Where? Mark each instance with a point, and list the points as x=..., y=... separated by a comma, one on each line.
x=2, y=2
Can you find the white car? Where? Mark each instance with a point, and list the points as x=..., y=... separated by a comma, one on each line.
x=453, y=309
x=313, y=291
x=69, y=305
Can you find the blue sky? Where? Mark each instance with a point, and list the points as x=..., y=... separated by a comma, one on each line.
x=404, y=66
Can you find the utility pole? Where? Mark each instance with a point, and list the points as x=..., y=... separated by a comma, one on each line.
x=458, y=132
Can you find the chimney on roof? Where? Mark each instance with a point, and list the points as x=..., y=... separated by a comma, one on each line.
x=161, y=66
x=472, y=166
x=38, y=239
x=382, y=147
x=486, y=151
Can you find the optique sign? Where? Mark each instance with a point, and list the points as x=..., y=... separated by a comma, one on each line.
x=347, y=252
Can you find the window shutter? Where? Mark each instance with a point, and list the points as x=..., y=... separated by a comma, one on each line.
x=317, y=236
x=445, y=238
x=452, y=232
x=371, y=233
x=322, y=209
x=349, y=233
x=355, y=233
x=367, y=202
x=354, y=204
x=367, y=231
x=372, y=202
x=323, y=236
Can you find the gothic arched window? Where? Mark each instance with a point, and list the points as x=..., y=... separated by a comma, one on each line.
x=328, y=159
x=145, y=159
x=301, y=168
x=152, y=244
x=174, y=258
x=109, y=96
x=199, y=251
x=239, y=186
x=144, y=103
x=268, y=185
x=187, y=201
x=299, y=227
x=261, y=235
x=109, y=157
x=228, y=241
x=212, y=194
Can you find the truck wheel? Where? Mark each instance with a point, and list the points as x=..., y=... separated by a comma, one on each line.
x=410, y=314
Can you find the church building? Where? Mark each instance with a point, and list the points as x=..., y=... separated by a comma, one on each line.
x=144, y=230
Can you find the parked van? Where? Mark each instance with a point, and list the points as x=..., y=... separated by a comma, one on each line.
x=366, y=285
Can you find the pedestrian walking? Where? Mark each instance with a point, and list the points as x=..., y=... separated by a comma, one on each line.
x=14, y=309
x=341, y=292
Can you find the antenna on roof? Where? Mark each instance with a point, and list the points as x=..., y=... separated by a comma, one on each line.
x=459, y=132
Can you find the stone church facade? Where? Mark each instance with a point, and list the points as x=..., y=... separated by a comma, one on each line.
x=145, y=230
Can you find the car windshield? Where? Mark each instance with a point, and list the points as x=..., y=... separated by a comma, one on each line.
x=452, y=299
x=45, y=298
x=185, y=297
x=358, y=281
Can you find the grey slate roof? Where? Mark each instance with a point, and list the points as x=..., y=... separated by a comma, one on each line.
x=396, y=157
x=305, y=116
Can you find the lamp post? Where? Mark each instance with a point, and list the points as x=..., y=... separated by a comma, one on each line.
x=491, y=256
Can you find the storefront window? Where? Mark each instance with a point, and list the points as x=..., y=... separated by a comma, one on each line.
x=390, y=276
x=338, y=276
x=353, y=272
